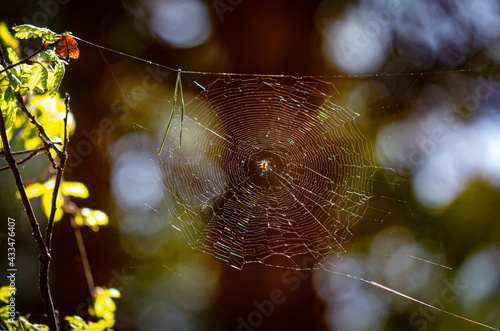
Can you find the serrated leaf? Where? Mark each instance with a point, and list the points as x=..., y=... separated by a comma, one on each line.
x=38, y=77
x=56, y=79
x=27, y=31
x=9, y=109
x=14, y=81
x=75, y=189
x=12, y=55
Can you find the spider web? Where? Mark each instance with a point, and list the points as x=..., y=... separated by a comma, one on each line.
x=272, y=170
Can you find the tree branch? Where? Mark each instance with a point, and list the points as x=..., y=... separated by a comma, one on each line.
x=60, y=170
x=38, y=149
x=33, y=154
x=28, y=58
x=44, y=255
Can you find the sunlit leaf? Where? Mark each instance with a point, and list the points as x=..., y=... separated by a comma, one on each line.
x=74, y=189
x=75, y=320
x=38, y=77
x=56, y=80
x=14, y=81
x=113, y=292
x=4, y=313
x=51, y=115
x=31, y=326
x=47, y=204
x=8, y=103
x=27, y=31
x=12, y=55
x=35, y=190
x=104, y=306
x=6, y=292
x=91, y=218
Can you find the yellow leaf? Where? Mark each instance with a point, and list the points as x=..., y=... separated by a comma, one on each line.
x=101, y=218
x=52, y=114
x=92, y=218
x=114, y=293
x=47, y=202
x=6, y=292
x=7, y=39
x=33, y=191
x=75, y=189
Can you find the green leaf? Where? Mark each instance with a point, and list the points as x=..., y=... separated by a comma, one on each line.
x=38, y=78
x=4, y=313
x=27, y=31
x=8, y=103
x=12, y=55
x=14, y=81
x=57, y=78
x=75, y=189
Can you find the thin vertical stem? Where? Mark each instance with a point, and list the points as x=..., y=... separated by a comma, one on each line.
x=83, y=255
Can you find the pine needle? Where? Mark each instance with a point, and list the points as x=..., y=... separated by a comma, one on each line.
x=177, y=85
x=182, y=108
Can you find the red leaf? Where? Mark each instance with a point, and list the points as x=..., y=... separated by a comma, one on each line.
x=67, y=47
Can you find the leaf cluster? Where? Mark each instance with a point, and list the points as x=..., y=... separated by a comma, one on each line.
x=41, y=75
x=103, y=312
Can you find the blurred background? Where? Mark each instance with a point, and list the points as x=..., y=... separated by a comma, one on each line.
x=423, y=75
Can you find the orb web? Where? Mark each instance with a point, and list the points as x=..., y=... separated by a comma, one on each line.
x=271, y=170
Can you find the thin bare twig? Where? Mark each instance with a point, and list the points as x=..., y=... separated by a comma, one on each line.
x=60, y=170
x=40, y=128
x=38, y=149
x=47, y=147
x=83, y=256
x=33, y=154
